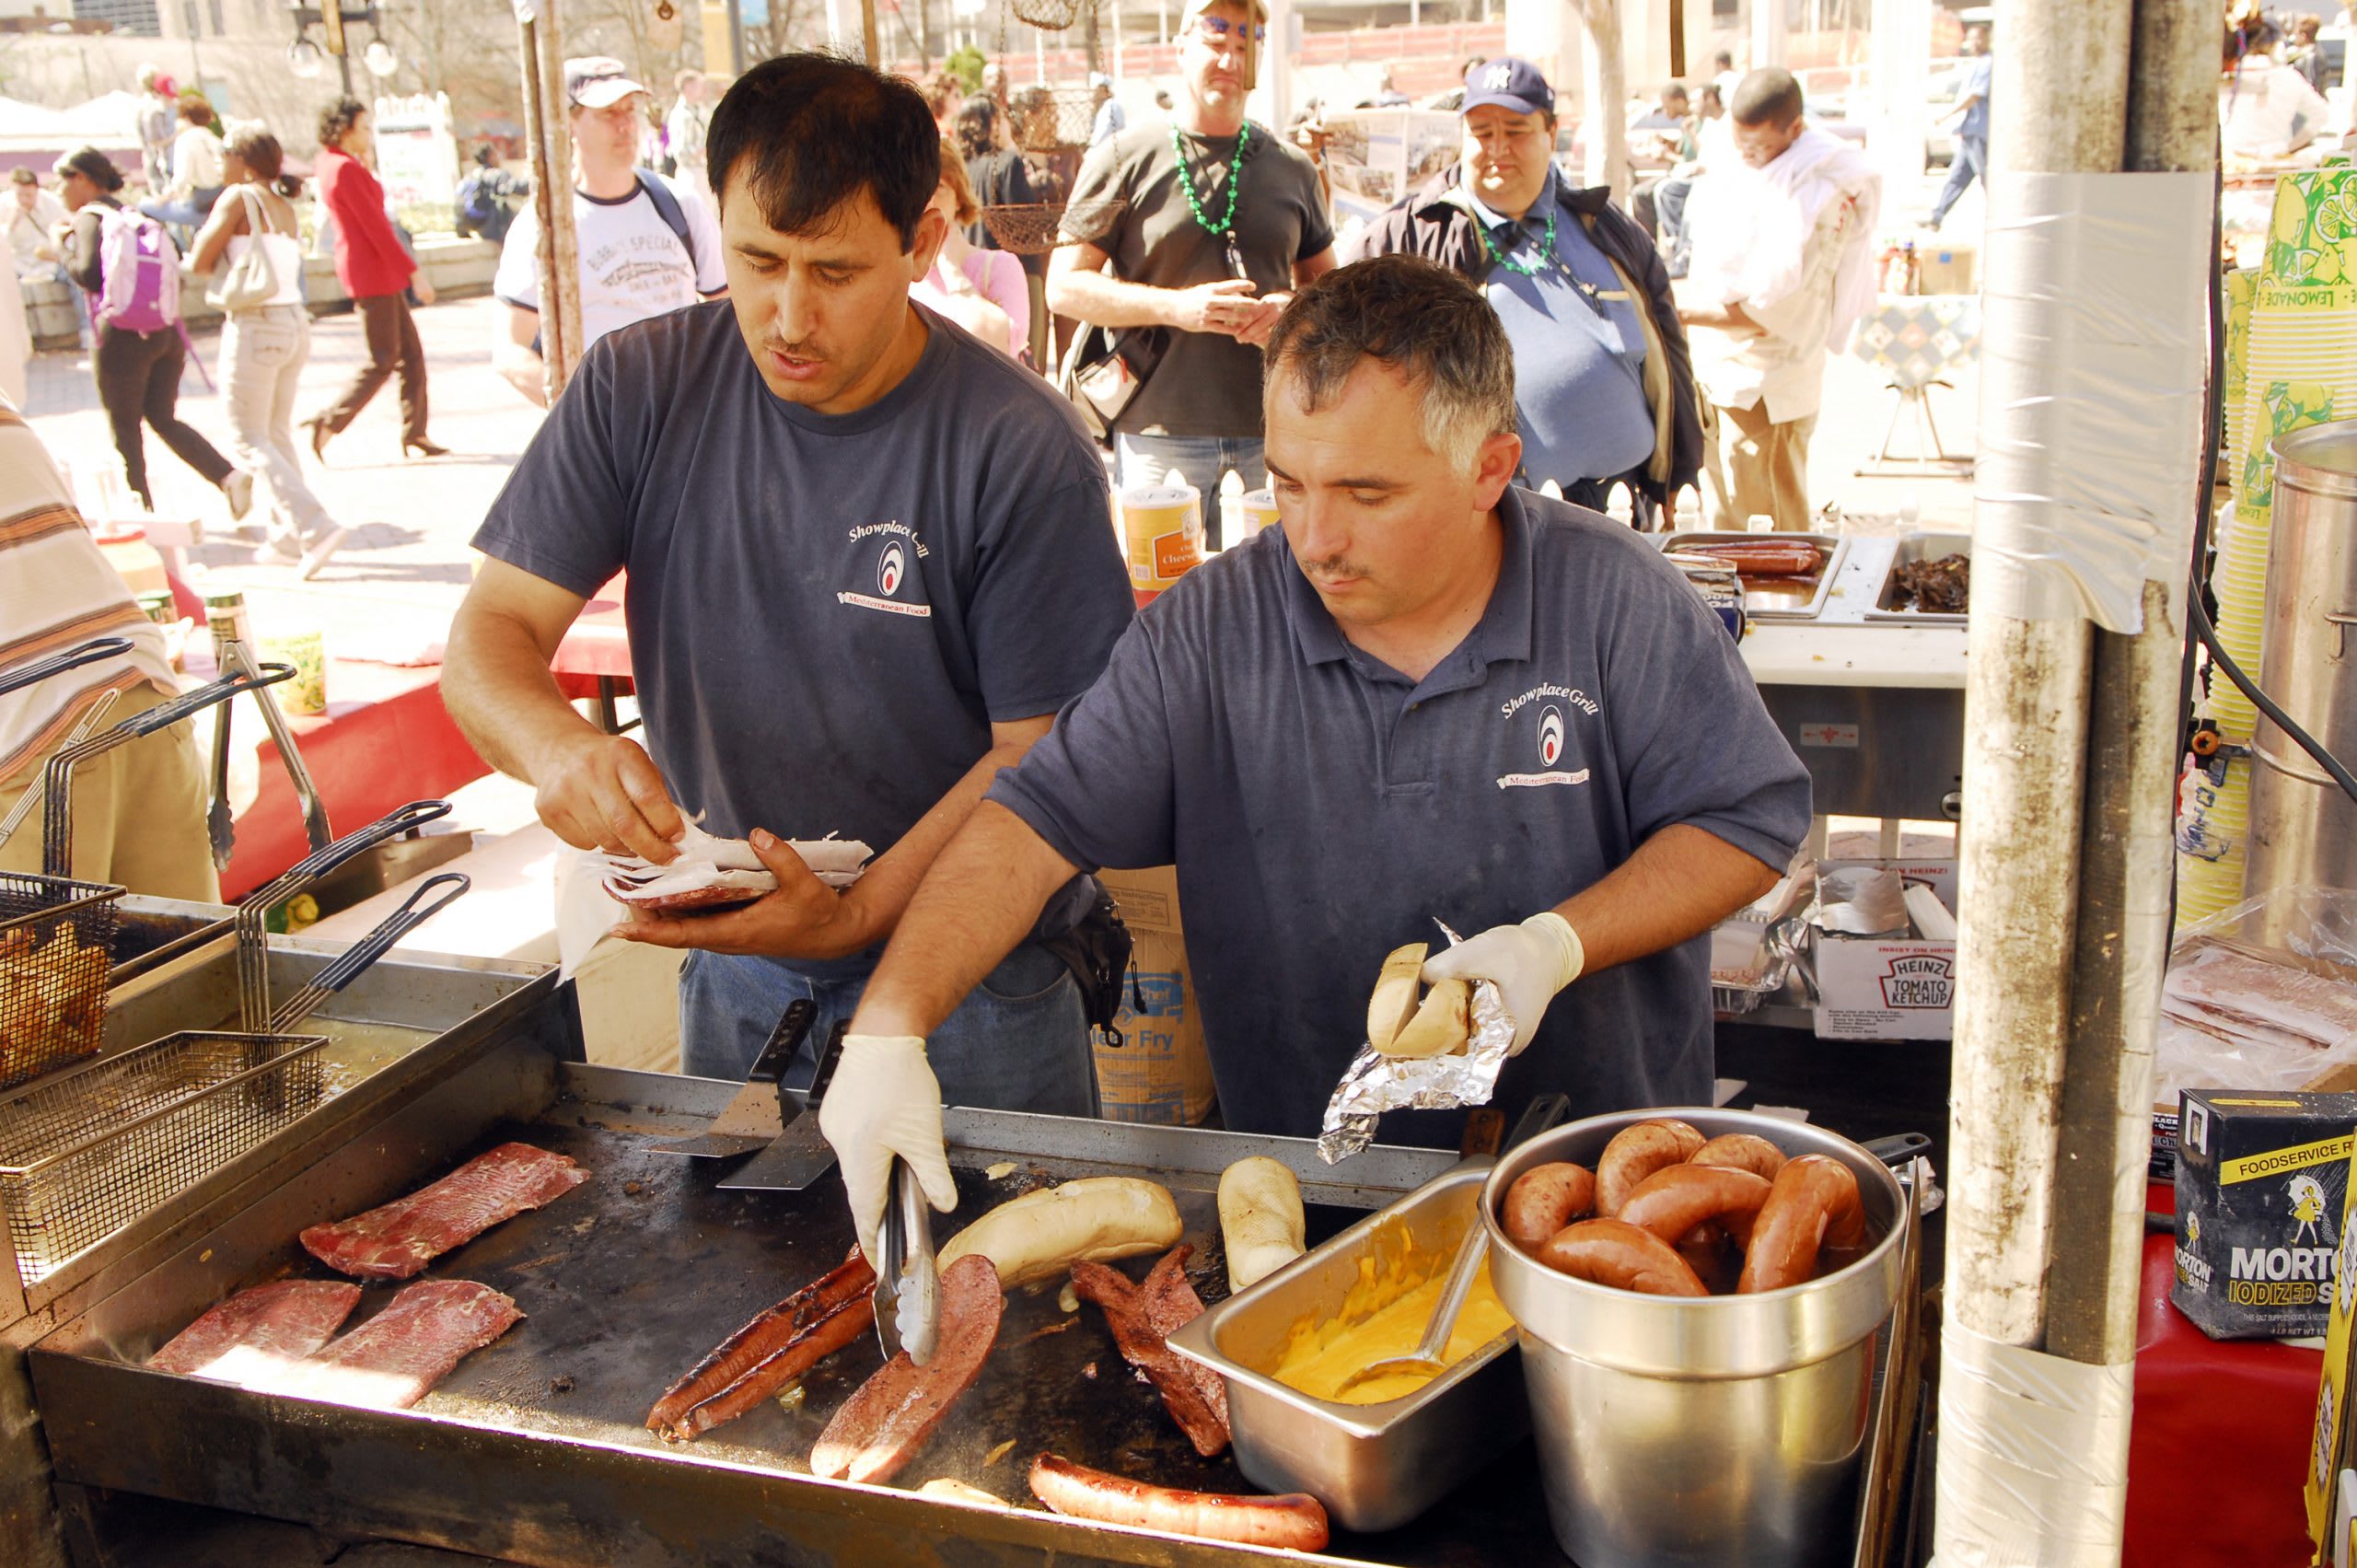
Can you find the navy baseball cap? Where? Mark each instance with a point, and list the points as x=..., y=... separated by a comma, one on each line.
x=1510, y=84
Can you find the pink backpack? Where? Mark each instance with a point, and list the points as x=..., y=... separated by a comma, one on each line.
x=139, y=272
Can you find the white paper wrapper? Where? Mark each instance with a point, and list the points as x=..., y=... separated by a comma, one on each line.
x=1375, y=1083
x=709, y=864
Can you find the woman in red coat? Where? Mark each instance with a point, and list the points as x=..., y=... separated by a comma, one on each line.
x=375, y=269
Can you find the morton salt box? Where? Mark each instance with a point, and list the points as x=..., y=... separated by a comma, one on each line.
x=2262, y=1180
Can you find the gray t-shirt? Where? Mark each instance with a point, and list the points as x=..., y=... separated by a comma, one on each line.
x=1207, y=384
x=826, y=613
x=1323, y=809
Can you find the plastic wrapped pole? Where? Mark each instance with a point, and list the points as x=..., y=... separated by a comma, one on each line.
x=2026, y=678
x=2125, y=873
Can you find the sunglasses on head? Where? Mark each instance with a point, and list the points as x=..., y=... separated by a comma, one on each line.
x=1215, y=30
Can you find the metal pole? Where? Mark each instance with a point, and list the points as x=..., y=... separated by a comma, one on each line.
x=2137, y=737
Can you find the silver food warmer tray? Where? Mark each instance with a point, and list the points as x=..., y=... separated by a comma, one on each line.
x=1776, y=598
x=1887, y=607
x=1375, y=1467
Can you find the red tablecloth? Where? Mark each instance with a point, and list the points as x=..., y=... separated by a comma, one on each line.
x=2220, y=1441
x=597, y=646
x=384, y=742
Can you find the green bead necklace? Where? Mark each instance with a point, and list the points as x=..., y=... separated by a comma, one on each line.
x=1528, y=269
x=1234, y=173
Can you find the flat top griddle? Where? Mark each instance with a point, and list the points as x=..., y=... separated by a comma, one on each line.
x=627, y=1280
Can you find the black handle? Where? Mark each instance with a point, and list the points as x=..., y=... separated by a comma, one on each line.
x=829, y=1055
x=413, y=913
x=1485, y=1128
x=91, y=652
x=317, y=864
x=1542, y=1112
x=784, y=1040
x=1898, y=1148
x=350, y=964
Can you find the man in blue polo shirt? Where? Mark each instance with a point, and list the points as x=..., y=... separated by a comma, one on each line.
x=1429, y=695
x=1603, y=385
x=869, y=559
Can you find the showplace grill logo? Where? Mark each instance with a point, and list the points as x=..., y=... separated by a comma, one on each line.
x=1551, y=739
x=891, y=571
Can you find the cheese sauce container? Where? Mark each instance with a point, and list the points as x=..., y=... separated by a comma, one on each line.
x=1259, y=512
x=1162, y=533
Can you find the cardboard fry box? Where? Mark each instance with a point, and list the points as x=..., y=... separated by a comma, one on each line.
x=1872, y=988
x=2262, y=1187
x=1160, y=1071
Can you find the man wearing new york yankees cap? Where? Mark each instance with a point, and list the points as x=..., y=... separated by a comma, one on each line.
x=647, y=243
x=1429, y=694
x=1604, y=392
x=869, y=557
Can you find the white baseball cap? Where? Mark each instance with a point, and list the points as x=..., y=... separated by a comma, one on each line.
x=597, y=81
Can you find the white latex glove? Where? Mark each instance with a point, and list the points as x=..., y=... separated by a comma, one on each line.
x=1529, y=963
x=884, y=1101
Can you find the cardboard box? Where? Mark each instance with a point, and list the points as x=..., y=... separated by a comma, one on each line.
x=2326, y=1484
x=1946, y=268
x=2262, y=1187
x=1160, y=1071
x=1872, y=989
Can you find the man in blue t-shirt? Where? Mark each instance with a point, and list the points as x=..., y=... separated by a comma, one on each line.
x=1602, y=386
x=1428, y=695
x=1970, y=160
x=869, y=556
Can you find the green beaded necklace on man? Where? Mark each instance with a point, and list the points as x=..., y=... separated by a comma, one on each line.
x=1528, y=269
x=1234, y=180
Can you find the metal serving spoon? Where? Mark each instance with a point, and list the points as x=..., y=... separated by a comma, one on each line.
x=1426, y=1357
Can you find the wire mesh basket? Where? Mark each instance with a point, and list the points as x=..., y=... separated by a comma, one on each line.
x=1047, y=119
x=1051, y=15
x=1034, y=228
x=56, y=953
x=87, y=1151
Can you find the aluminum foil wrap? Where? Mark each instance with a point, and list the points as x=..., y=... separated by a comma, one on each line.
x=1375, y=1083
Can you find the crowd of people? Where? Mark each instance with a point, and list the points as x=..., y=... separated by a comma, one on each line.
x=1677, y=344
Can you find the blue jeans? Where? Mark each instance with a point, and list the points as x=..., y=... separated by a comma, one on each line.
x=1203, y=459
x=1019, y=1041
x=1970, y=163
x=188, y=213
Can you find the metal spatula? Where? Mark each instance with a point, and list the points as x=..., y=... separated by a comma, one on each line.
x=756, y=1114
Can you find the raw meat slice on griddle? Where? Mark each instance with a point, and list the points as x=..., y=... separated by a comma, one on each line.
x=395, y=1359
x=258, y=1332
x=402, y=1237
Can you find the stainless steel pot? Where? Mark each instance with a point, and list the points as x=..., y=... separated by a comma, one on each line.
x=1677, y=1433
x=2301, y=825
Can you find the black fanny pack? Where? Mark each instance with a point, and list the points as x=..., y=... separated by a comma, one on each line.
x=1097, y=950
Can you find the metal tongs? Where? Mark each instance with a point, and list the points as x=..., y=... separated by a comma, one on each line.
x=908, y=1285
